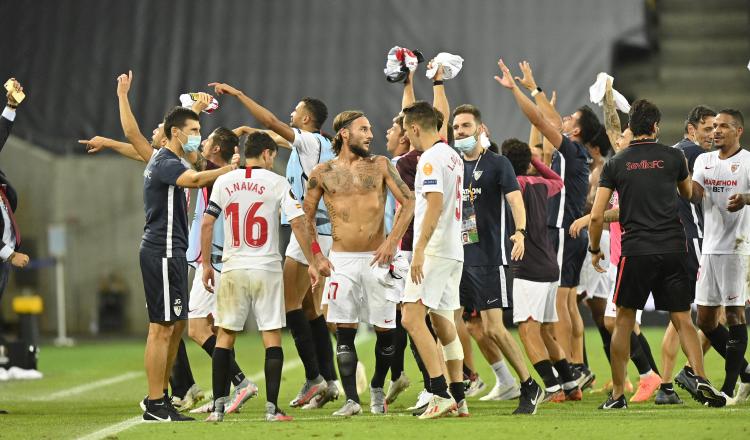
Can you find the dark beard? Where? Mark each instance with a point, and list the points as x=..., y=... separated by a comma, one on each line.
x=359, y=151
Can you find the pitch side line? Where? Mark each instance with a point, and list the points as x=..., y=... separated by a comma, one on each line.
x=80, y=389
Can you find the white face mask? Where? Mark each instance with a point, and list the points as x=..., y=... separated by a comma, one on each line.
x=484, y=141
x=465, y=145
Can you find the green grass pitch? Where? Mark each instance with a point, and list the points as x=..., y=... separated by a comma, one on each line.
x=64, y=405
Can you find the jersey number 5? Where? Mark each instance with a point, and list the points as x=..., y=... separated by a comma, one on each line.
x=256, y=228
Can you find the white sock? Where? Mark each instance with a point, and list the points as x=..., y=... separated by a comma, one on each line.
x=502, y=373
x=646, y=374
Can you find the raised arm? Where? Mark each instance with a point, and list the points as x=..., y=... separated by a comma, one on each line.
x=263, y=115
x=9, y=112
x=544, y=104
x=404, y=214
x=408, y=98
x=440, y=102
x=531, y=111
x=611, y=119
x=129, y=124
x=97, y=143
x=280, y=141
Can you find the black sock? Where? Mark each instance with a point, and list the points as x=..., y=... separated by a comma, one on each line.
x=299, y=326
x=606, y=341
x=457, y=391
x=420, y=365
x=439, y=387
x=647, y=351
x=667, y=388
x=565, y=371
x=736, y=346
x=689, y=370
x=467, y=372
x=544, y=368
x=209, y=344
x=346, y=356
x=221, y=359
x=585, y=355
x=528, y=382
x=272, y=369
x=637, y=356
x=719, y=337
x=181, y=378
x=235, y=373
x=323, y=348
x=166, y=393
x=399, y=341
x=384, y=349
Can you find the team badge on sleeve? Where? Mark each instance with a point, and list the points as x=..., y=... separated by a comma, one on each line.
x=427, y=169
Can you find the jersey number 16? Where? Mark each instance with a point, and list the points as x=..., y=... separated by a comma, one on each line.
x=255, y=230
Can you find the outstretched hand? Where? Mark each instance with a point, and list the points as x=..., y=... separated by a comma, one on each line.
x=123, y=83
x=224, y=89
x=16, y=88
x=528, y=77
x=93, y=145
x=507, y=79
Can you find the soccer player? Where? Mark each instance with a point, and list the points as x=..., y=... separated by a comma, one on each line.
x=353, y=187
x=647, y=177
x=570, y=160
x=250, y=200
x=309, y=148
x=721, y=180
x=487, y=281
x=437, y=260
x=165, y=240
x=698, y=139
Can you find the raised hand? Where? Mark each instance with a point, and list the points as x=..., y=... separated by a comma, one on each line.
x=93, y=145
x=123, y=83
x=528, y=77
x=553, y=100
x=507, y=79
x=235, y=162
x=202, y=103
x=17, y=88
x=224, y=89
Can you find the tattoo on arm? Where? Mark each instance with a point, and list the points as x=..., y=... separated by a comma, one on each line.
x=612, y=215
x=611, y=119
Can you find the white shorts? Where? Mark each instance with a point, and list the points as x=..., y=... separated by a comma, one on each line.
x=243, y=289
x=722, y=280
x=611, y=310
x=595, y=284
x=399, y=271
x=202, y=303
x=294, y=251
x=353, y=292
x=439, y=288
x=534, y=300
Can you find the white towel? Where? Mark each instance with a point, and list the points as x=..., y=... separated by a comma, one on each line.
x=599, y=88
x=188, y=99
x=451, y=65
x=748, y=65
x=396, y=59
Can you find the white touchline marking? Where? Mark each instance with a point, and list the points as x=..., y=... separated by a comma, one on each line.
x=80, y=389
x=257, y=377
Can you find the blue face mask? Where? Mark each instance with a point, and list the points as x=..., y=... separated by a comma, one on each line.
x=193, y=143
x=465, y=145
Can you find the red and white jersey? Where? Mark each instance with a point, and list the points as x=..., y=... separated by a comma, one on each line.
x=724, y=232
x=251, y=201
x=440, y=169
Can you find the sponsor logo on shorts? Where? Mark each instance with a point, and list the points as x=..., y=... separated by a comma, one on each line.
x=732, y=298
x=388, y=321
x=490, y=301
x=177, y=307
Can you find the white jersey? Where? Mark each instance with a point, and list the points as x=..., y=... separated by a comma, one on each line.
x=440, y=169
x=724, y=232
x=251, y=201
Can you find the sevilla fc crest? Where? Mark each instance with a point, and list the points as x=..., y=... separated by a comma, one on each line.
x=177, y=307
x=734, y=167
x=477, y=174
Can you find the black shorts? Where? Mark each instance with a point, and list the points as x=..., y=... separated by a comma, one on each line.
x=572, y=256
x=484, y=288
x=665, y=276
x=165, y=282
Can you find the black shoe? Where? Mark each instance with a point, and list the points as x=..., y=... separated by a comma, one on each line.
x=531, y=397
x=163, y=411
x=666, y=398
x=686, y=381
x=587, y=377
x=619, y=403
x=708, y=395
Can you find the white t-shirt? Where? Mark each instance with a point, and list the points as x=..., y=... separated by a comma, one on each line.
x=251, y=201
x=440, y=169
x=724, y=232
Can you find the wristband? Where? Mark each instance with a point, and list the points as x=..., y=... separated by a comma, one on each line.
x=594, y=251
x=522, y=231
x=437, y=82
x=536, y=91
x=315, y=247
x=9, y=105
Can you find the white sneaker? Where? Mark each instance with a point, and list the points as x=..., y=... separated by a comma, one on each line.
x=362, y=382
x=438, y=407
x=4, y=375
x=22, y=374
x=502, y=392
x=731, y=401
x=350, y=408
x=743, y=392
x=476, y=386
x=397, y=387
x=422, y=399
